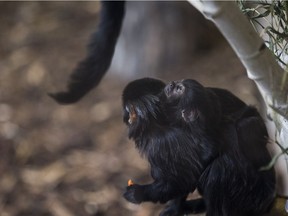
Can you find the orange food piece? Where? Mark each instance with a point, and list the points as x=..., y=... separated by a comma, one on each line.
x=130, y=182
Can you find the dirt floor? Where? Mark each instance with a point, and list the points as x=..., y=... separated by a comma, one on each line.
x=74, y=160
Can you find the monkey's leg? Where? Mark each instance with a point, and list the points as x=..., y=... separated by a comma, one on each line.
x=179, y=207
x=174, y=207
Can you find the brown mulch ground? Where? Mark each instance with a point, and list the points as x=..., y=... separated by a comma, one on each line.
x=73, y=160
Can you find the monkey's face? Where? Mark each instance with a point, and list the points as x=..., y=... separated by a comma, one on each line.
x=177, y=88
x=136, y=112
x=141, y=114
x=132, y=119
x=130, y=115
x=188, y=99
x=174, y=90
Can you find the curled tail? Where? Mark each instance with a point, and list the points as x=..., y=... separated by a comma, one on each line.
x=90, y=71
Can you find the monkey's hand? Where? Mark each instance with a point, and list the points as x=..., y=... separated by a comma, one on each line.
x=134, y=193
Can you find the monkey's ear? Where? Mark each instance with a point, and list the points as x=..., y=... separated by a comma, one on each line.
x=190, y=115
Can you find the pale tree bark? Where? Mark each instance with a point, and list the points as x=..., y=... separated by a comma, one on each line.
x=261, y=67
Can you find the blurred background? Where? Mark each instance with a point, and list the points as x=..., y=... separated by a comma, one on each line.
x=75, y=160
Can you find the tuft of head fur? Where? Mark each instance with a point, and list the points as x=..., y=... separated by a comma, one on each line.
x=141, y=87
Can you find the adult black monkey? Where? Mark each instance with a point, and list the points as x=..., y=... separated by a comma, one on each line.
x=90, y=71
x=170, y=159
x=177, y=158
x=232, y=184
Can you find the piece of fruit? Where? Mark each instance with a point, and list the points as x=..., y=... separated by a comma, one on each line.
x=130, y=182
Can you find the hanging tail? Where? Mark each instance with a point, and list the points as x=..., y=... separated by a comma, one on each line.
x=90, y=71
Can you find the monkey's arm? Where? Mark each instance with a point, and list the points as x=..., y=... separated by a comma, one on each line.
x=175, y=166
x=90, y=71
x=158, y=191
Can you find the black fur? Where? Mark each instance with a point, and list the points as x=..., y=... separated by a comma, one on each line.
x=175, y=156
x=199, y=137
x=232, y=184
x=90, y=71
